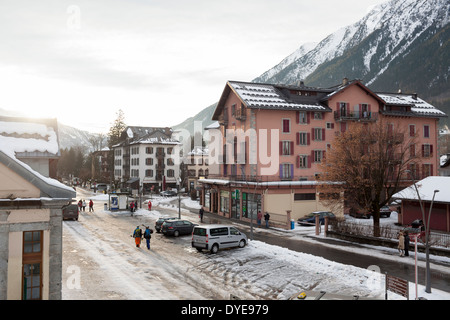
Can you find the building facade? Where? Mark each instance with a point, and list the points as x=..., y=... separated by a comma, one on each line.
x=147, y=158
x=31, y=207
x=275, y=136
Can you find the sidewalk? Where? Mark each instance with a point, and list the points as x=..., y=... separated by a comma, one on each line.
x=303, y=239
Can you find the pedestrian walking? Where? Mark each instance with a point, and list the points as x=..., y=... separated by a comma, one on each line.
x=266, y=218
x=406, y=244
x=401, y=244
x=80, y=205
x=149, y=205
x=137, y=235
x=200, y=214
x=132, y=206
x=259, y=218
x=91, y=206
x=84, y=205
x=148, y=235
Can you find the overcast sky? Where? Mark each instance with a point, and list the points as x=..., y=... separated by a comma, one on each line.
x=160, y=61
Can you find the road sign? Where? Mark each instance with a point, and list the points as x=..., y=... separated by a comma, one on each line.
x=397, y=285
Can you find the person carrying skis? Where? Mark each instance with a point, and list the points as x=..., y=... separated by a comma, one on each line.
x=137, y=235
x=148, y=235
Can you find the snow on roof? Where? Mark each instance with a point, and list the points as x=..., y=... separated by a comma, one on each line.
x=418, y=105
x=198, y=151
x=426, y=189
x=266, y=96
x=25, y=136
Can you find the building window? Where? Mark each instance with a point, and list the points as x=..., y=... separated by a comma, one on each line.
x=286, y=125
x=427, y=150
x=149, y=173
x=412, y=130
x=149, y=161
x=303, y=138
x=286, y=148
x=170, y=173
x=318, y=155
x=251, y=204
x=318, y=134
x=302, y=161
x=318, y=115
x=304, y=196
x=32, y=265
x=426, y=131
x=286, y=171
x=149, y=150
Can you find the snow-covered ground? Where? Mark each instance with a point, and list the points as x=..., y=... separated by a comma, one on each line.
x=174, y=270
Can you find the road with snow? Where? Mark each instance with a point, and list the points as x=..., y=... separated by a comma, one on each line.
x=101, y=261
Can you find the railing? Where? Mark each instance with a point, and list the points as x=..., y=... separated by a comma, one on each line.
x=437, y=239
x=355, y=116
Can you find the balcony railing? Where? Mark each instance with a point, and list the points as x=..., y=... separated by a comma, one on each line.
x=355, y=116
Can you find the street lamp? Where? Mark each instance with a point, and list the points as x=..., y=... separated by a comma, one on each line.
x=427, y=237
x=427, y=247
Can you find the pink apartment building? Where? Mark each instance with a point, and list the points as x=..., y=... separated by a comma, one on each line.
x=274, y=136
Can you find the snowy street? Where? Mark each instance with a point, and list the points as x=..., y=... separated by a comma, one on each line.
x=101, y=261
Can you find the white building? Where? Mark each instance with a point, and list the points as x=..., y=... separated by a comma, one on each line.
x=147, y=157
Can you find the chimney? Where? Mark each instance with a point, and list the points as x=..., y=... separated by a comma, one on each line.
x=414, y=96
x=345, y=81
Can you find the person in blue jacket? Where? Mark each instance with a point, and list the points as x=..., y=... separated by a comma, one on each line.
x=148, y=235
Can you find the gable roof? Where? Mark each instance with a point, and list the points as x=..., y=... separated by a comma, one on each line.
x=49, y=188
x=304, y=98
x=148, y=135
x=274, y=97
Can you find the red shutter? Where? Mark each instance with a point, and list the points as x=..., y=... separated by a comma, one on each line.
x=308, y=137
x=308, y=158
x=313, y=134
x=297, y=117
x=292, y=148
x=323, y=134
x=431, y=150
x=298, y=138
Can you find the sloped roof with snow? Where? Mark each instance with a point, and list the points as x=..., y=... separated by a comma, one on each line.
x=426, y=189
x=30, y=137
x=418, y=106
x=275, y=97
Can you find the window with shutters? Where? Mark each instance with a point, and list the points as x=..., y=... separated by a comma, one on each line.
x=302, y=161
x=303, y=138
x=286, y=125
x=286, y=171
x=286, y=148
x=426, y=131
x=427, y=150
x=318, y=134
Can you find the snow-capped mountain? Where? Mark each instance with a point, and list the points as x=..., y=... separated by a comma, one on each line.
x=367, y=49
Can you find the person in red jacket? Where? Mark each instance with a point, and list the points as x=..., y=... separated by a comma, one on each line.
x=149, y=205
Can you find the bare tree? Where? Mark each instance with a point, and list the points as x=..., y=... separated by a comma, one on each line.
x=367, y=163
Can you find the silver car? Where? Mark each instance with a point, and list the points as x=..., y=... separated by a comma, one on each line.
x=215, y=237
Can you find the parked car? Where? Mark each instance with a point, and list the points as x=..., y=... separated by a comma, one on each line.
x=168, y=193
x=160, y=221
x=310, y=219
x=216, y=236
x=359, y=213
x=177, y=227
x=385, y=211
x=70, y=212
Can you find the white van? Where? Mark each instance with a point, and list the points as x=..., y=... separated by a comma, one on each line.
x=217, y=236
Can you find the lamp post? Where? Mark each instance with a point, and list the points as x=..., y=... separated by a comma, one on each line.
x=426, y=223
x=427, y=247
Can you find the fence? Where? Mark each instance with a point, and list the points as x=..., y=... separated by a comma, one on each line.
x=387, y=232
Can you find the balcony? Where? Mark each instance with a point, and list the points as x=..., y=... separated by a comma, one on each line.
x=355, y=116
